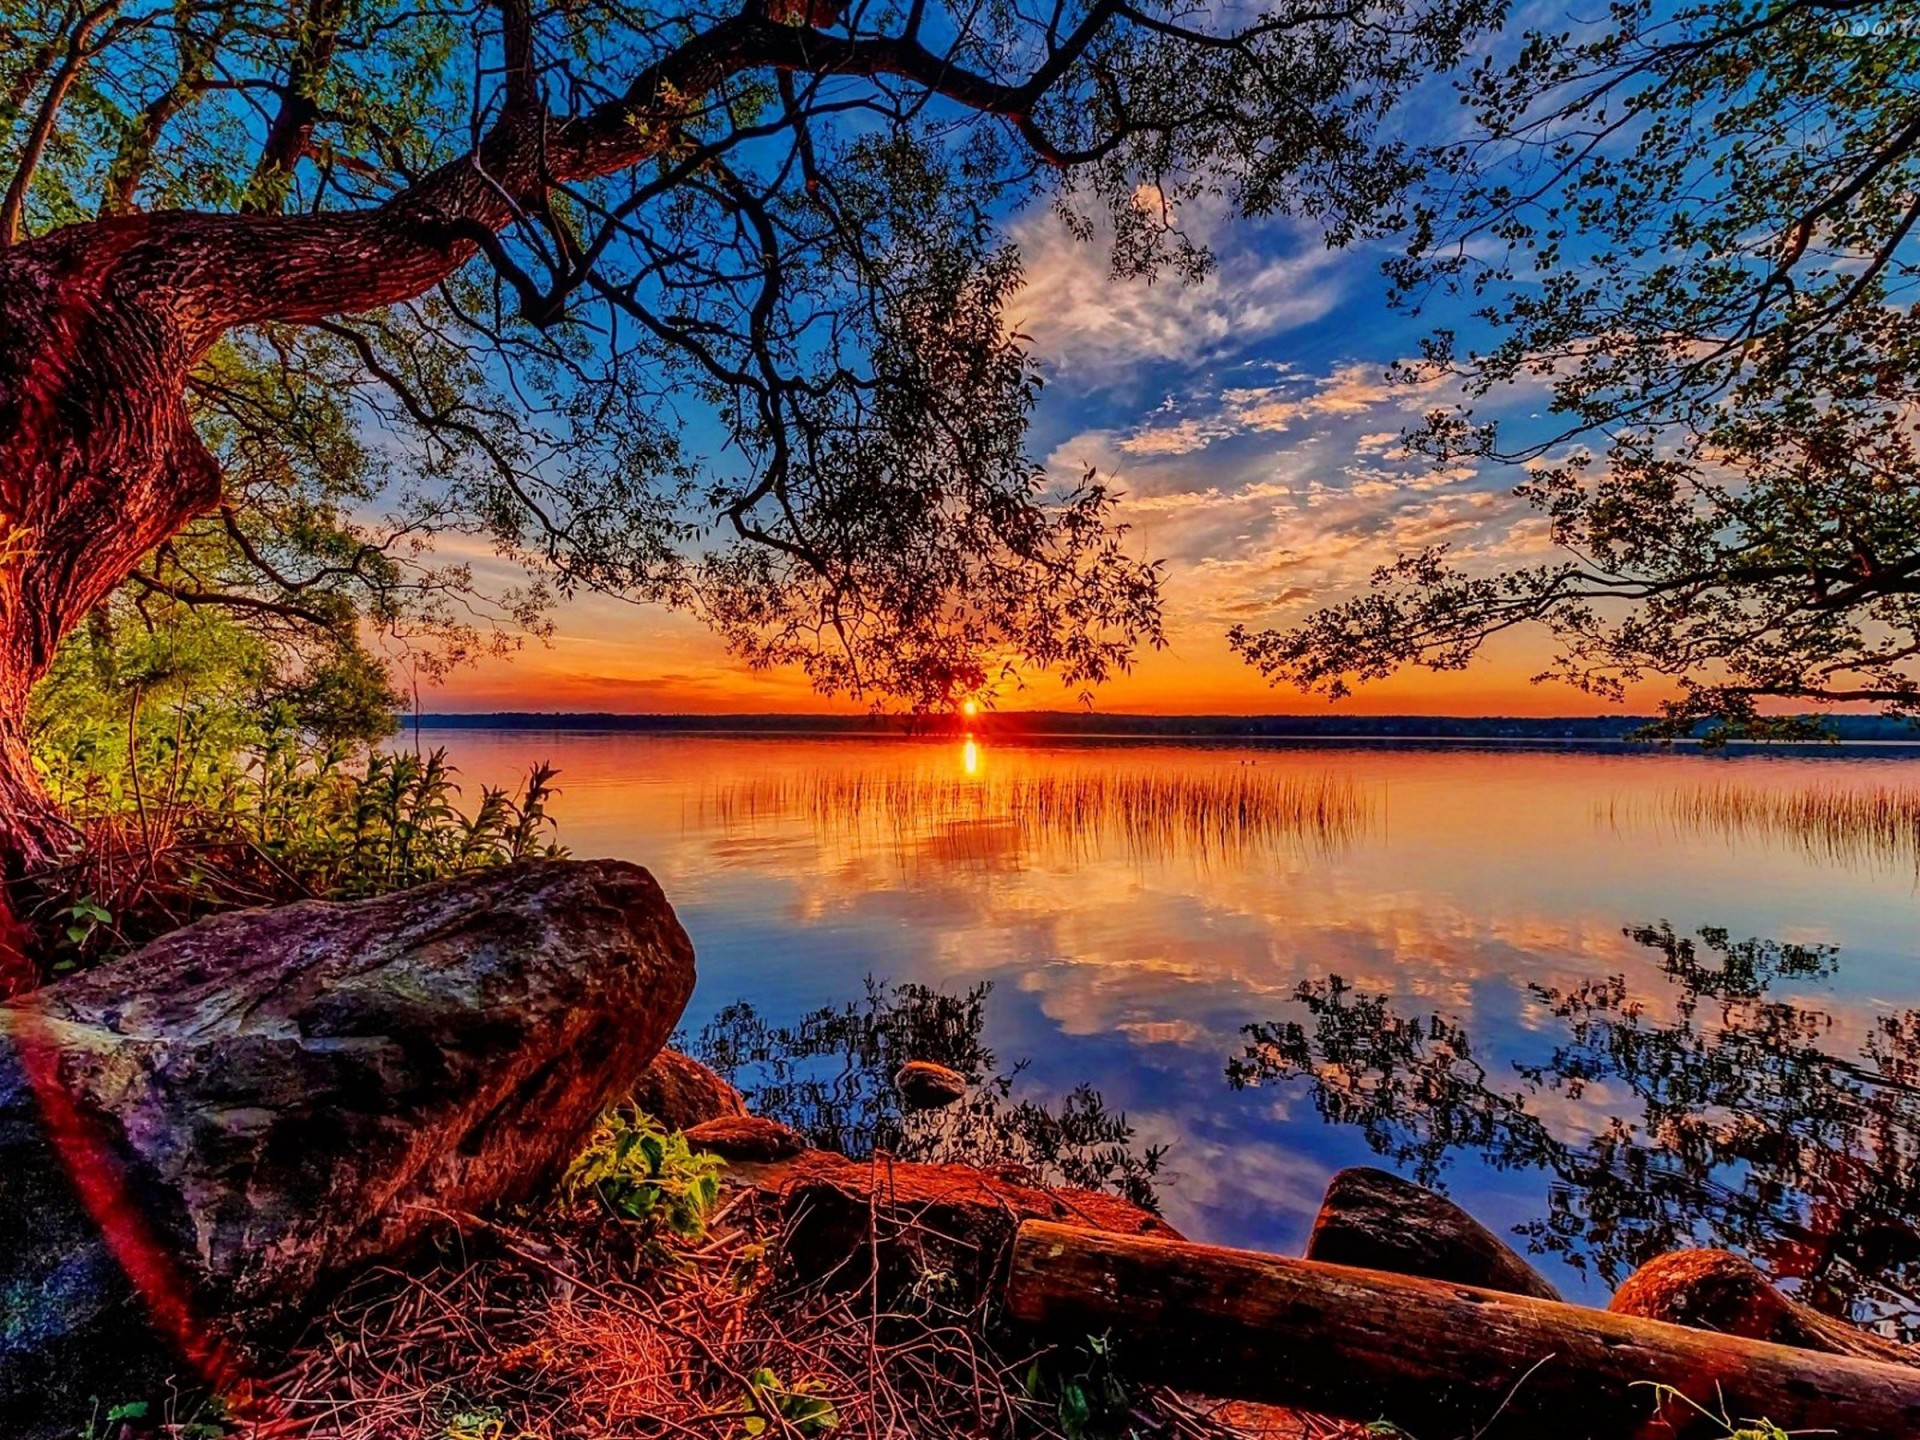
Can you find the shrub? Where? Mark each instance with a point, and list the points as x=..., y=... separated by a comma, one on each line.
x=641, y=1175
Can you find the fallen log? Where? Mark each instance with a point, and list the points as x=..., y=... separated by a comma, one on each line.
x=1438, y=1360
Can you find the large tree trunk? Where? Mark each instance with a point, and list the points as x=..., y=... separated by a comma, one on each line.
x=1434, y=1358
x=98, y=464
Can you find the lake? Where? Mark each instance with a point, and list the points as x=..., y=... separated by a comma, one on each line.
x=1613, y=1001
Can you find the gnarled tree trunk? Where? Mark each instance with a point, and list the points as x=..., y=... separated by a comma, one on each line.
x=98, y=464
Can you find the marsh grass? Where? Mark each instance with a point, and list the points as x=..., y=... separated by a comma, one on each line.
x=1213, y=815
x=1839, y=824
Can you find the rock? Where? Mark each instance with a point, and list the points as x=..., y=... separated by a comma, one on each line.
x=746, y=1137
x=681, y=1093
x=927, y=1086
x=201, y=1138
x=1372, y=1220
x=952, y=1221
x=1715, y=1290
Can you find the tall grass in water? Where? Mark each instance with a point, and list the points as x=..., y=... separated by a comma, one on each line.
x=1216, y=814
x=1843, y=824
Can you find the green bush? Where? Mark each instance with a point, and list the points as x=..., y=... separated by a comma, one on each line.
x=638, y=1173
x=202, y=770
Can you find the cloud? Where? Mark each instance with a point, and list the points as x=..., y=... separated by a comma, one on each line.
x=1350, y=390
x=1181, y=438
x=1089, y=324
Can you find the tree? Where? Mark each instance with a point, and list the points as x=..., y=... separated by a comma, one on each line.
x=566, y=251
x=1694, y=229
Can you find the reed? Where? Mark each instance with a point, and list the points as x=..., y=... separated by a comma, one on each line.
x=1211, y=814
x=1844, y=824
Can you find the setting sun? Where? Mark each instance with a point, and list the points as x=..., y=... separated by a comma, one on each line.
x=969, y=708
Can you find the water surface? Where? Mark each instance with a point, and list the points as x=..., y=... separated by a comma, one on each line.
x=1520, y=974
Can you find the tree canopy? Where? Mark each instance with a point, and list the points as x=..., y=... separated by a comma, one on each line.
x=698, y=304
x=1691, y=231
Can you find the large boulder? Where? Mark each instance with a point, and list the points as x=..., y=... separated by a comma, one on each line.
x=203, y=1137
x=680, y=1092
x=1716, y=1290
x=1376, y=1221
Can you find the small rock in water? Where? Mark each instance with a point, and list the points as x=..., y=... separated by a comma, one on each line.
x=1376, y=1221
x=927, y=1086
x=746, y=1137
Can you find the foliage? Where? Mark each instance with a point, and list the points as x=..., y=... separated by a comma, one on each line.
x=1736, y=1121
x=641, y=1175
x=201, y=1417
x=484, y=1423
x=198, y=778
x=751, y=356
x=1693, y=228
x=799, y=1408
x=1667, y=1397
x=830, y=1076
x=1085, y=1389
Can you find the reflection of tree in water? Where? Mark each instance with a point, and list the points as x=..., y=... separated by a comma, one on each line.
x=830, y=1076
x=1743, y=1130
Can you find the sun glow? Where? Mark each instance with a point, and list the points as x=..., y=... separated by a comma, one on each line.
x=969, y=708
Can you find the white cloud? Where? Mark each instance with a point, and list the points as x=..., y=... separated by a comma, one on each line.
x=1085, y=322
x=1351, y=390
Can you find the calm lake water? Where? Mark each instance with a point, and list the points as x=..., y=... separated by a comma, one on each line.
x=1482, y=968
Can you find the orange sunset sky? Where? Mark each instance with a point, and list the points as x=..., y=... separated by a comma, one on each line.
x=1248, y=421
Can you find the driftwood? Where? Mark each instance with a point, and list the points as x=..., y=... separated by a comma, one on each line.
x=1439, y=1360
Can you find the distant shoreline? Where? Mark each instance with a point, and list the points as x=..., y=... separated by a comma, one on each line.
x=1848, y=730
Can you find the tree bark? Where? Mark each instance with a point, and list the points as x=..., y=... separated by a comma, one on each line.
x=1435, y=1359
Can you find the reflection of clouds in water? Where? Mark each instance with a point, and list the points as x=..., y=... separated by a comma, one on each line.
x=1476, y=873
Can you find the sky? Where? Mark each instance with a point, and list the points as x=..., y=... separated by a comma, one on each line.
x=1250, y=426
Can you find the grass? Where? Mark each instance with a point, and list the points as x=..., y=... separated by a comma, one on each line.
x=1215, y=814
x=556, y=1327
x=297, y=820
x=1842, y=824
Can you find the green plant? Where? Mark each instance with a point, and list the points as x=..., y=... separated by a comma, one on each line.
x=1665, y=1395
x=1085, y=1391
x=799, y=1407
x=103, y=1427
x=206, y=1418
x=215, y=818
x=487, y=1422
x=639, y=1173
